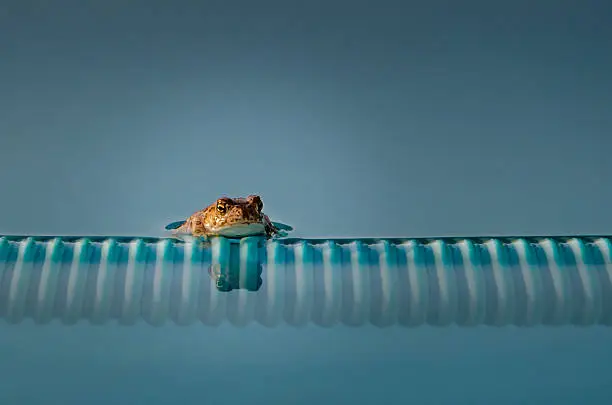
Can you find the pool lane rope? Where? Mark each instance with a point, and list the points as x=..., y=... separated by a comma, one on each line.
x=523, y=281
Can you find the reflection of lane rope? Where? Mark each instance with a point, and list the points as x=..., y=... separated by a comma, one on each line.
x=517, y=281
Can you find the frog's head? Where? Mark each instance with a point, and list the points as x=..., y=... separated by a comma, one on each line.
x=233, y=217
x=230, y=217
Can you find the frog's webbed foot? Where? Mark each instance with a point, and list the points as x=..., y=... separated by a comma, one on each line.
x=276, y=229
x=279, y=234
x=282, y=227
x=281, y=230
x=175, y=225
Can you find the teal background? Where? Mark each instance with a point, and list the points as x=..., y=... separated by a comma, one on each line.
x=389, y=118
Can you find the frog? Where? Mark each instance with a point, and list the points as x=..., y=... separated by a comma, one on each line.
x=230, y=217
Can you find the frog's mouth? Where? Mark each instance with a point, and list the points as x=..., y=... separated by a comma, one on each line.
x=242, y=229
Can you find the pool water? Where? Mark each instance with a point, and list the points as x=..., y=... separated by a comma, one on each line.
x=131, y=321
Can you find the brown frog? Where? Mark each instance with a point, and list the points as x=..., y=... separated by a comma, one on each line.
x=230, y=217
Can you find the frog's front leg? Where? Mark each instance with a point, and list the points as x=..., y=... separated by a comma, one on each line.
x=269, y=227
x=275, y=228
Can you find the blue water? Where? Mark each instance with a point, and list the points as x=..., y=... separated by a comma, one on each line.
x=73, y=362
x=350, y=119
x=197, y=364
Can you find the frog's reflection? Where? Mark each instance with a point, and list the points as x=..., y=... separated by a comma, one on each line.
x=230, y=277
x=237, y=264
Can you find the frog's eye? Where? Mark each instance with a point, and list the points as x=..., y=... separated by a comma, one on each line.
x=221, y=207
